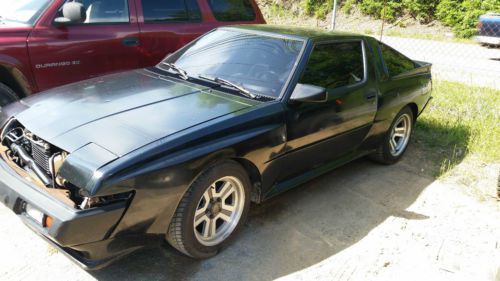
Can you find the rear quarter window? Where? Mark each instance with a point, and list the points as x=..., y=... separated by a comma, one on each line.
x=395, y=62
x=232, y=10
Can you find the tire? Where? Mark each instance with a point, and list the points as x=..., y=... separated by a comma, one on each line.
x=195, y=238
x=388, y=153
x=7, y=95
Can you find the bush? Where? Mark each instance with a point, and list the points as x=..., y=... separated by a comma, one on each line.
x=318, y=8
x=463, y=15
x=422, y=10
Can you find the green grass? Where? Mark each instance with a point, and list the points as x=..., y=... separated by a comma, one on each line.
x=428, y=36
x=462, y=121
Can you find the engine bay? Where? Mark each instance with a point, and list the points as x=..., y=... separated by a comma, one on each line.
x=36, y=159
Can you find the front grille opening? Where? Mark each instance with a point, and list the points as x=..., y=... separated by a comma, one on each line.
x=31, y=153
x=32, y=156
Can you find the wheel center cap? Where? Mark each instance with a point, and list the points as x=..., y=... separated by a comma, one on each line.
x=216, y=208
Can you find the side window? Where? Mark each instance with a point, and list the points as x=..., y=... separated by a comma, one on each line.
x=170, y=10
x=396, y=62
x=335, y=65
x=232, y=10
x=102, y=11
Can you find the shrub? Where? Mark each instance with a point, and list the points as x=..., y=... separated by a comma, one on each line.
x=318, y=8
x=422, y=10
x=462, y=15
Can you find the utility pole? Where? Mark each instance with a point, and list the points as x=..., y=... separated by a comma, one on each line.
x=334, y=14
x=383, y=20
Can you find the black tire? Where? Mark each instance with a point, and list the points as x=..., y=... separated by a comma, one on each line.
x=181, y=233
x=7, y=95
x=383, y=154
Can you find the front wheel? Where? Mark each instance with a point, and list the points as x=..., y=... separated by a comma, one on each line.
x=211, y=212
x=397, y=138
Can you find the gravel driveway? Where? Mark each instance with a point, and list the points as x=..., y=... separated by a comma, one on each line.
x=461, y=62
x=361, y=222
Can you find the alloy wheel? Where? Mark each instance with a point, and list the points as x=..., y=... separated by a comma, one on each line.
x=219, y=211
x=400, y=135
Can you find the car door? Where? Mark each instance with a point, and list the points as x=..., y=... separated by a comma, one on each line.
x=105, y=41
x=321, y=132
x=166, y=26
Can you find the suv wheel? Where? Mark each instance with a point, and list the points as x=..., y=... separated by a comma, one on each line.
x=7, y=95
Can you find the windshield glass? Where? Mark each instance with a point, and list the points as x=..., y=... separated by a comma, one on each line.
x=261, y=64
x=22, y=11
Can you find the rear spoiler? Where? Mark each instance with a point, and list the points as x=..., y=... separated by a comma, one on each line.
x=422, y=63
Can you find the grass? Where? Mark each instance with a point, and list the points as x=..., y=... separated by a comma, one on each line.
x=428, y=36
x=462, y=122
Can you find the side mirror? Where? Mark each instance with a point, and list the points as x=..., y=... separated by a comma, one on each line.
x=73, y=12
x=309, y=93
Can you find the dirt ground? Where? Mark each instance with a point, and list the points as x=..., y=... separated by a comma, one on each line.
x=361, y=222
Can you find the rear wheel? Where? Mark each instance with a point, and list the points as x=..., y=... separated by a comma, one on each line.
x=7, y=95
x=211, y=212
x=397, y=138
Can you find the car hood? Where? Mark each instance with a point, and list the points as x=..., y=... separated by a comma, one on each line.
x=123, y=112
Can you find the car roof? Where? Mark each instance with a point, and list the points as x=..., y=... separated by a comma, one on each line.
x=316, y=35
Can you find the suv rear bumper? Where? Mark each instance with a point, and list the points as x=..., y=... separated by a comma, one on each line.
x=492, y=40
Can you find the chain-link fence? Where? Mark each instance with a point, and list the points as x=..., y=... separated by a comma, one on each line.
x=474, y=60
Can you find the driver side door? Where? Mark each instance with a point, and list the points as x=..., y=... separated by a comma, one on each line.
x=321, y=132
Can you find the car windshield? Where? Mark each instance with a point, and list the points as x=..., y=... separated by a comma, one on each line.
x=22, y=11
x=259, y=63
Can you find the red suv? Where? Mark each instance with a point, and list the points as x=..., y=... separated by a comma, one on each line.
x=47, y=43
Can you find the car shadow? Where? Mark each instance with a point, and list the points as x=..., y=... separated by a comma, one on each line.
x=303, y=226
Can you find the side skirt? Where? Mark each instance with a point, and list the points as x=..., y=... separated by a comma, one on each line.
x=314, y=173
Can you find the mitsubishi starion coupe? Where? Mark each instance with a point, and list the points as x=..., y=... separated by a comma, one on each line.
x=178, y=151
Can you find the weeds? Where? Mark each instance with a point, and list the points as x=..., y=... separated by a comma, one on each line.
x=460, y=122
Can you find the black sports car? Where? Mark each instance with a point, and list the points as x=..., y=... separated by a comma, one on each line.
x=178, y=151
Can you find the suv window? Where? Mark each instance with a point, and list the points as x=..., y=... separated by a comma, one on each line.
x=232, y=10
x=395, y=62
x=170, y=10
x=335, y=65
x=103, y=11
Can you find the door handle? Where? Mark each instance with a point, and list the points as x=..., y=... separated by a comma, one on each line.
x=371, y=96
x=131, y=42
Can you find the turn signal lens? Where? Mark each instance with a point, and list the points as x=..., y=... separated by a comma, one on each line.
x=48, y=222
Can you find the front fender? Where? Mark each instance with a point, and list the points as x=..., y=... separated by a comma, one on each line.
x=160, y=181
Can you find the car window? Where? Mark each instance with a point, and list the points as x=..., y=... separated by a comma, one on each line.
x=335, y=65
x=170, y=10
x=232, y=10
x=395, y=62
x=103, y=11
x=262, y=64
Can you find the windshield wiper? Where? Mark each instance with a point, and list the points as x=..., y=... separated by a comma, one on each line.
x=177, y=69
x=225, y=82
